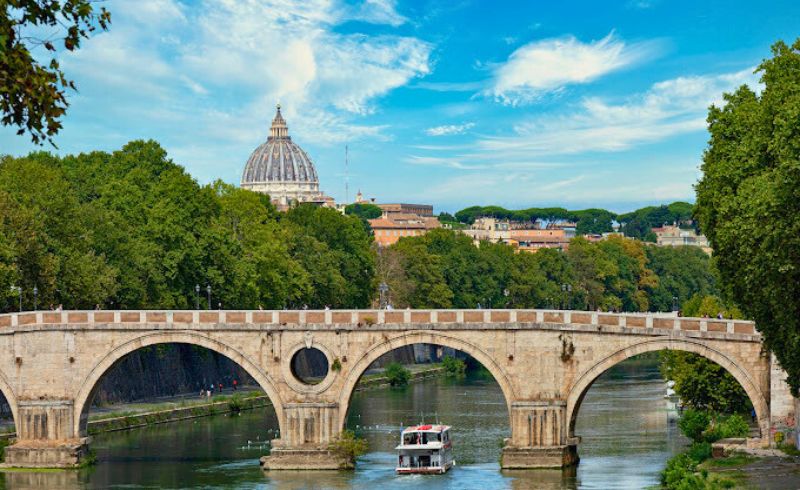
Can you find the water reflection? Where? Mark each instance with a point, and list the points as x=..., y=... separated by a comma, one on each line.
x=623, y=422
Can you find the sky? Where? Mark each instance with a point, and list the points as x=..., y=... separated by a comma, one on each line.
x=451, y=103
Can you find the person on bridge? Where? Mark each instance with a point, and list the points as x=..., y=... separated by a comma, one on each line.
x=220, y=387
x=234, y=384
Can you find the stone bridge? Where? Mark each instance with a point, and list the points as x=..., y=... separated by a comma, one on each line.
x=543, y=360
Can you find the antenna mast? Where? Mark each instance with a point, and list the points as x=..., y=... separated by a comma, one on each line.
x=346, y=178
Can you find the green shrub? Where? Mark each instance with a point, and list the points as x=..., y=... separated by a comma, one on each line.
x=693, y=424
x=699, y=451
x=235, y=403
x=348, y=447
x=454, y=367
x=397, y=374
x=734, y=426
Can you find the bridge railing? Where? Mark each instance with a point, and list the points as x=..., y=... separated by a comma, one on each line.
x=660, y=321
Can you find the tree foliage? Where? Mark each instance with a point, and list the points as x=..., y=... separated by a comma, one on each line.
x=32, y=94
x=364, y=210
x=443, y=269
x=704, y=384
x=131, y=229
x=748, y=203
x=397, y=374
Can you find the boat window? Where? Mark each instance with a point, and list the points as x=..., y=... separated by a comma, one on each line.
x=424, y=438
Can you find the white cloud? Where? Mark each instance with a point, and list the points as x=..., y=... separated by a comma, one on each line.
x=379, y=12
x=449, y=129
x=668, y=108
x=549, y=65
x=224, y=64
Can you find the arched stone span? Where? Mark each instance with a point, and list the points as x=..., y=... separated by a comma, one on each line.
x=420, y=337
x=87, y=389
x=585, y=381
x=11, y=399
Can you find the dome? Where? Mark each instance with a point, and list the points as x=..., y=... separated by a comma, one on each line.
x=280, y=168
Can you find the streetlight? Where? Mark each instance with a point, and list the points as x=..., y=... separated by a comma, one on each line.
x=506, y=292
x=196, y=296
x=18, y=289
x=208, y=290
x=383, y=288
x=35, y=298
x=567, y=289
x=674, y=303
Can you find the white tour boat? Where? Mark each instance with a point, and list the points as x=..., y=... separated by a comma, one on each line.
x=425, y=449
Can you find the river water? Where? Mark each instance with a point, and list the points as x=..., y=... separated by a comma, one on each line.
x=623, y=421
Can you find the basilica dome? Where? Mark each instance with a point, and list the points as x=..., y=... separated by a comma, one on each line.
x=280, y=168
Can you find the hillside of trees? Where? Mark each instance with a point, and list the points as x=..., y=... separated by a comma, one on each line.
x=635, y=224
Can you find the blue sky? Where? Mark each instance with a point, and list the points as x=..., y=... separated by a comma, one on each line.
x=454, y=103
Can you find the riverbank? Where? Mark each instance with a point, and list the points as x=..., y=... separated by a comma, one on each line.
x=775, y=470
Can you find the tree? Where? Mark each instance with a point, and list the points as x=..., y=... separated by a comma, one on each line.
x=396, y=374
x=703, y=384
x=748, y=206
x=348, y=447
x=365, y=210
x=33, y=95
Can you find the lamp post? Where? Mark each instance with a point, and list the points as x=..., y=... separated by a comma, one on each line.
x=208, y=290
x=506, y=292
x=674, y=303
x=567, y=289
x=196, y=296
x=383, y=288
x=35, y=298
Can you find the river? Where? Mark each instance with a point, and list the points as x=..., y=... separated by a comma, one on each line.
x=623, y=421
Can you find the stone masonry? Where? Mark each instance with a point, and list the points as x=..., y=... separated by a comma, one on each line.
x=544, y=361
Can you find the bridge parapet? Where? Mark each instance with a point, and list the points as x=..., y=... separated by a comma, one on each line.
x=354, y=319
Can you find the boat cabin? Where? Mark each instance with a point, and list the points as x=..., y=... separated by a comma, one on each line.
x=425, y=449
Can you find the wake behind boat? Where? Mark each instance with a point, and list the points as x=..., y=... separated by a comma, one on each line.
x=425, y=449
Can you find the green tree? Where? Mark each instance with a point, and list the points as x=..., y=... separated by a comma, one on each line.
x=348, y=447
x=363, y=210
x=747, y=202
x=33, y=95
x=703, y=384
x=397, y=374
x=683, y=272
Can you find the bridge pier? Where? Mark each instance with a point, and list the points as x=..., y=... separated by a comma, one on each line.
x=45, y=436
x=539, y=436
x=304, y=444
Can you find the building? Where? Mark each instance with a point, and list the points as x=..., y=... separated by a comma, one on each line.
x=390, y=227
x=417, y=209
x=489, y=229
x=281, y=169
x=531, y=240
x=674, y=236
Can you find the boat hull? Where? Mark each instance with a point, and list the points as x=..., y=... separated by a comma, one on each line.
x=430, y=470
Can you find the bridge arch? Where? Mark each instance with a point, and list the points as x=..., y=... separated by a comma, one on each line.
x=90, y=383
x=420, y=337
x=11, y=399
x=745, y=379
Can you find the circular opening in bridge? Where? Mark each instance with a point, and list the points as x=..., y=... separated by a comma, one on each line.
x=309, y=366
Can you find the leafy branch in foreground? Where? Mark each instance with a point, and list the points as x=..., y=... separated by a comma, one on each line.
x=32, y=94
